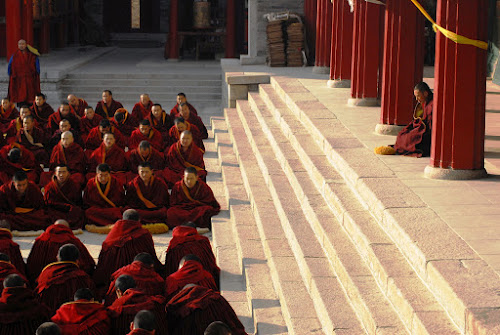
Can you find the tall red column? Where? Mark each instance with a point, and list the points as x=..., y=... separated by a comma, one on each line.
x=310, y=8
x=230, y=29
x=173, y=37
x=366, y=53
x=341, y=48
x=403, y=64
x=28, y=32
x=323, y=36
x=458, y=121
x=13, y=22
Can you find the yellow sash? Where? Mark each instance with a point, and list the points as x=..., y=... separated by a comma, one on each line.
x=22, y=210
x=186, y=193
x=55, y=263
x=146, y=202
x=184, y=162
x=5, y=229
x=105, y=193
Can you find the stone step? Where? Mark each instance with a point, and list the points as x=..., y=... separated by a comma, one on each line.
x=145, y=76
x=184, y=82
x=172, y=90
x=463, y=284
x=417, y=307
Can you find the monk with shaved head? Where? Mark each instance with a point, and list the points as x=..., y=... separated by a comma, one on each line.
x=77, y=104
x=24, y=73
x=142, y=109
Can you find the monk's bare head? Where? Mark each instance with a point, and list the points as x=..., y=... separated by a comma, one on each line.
x=120, y=115
x=14, y=155
x=4, y=224
x=145, y=259
x=61, y=173
x=103, y=173
x=190, y=177
x=40, y=99
x=181, y=98
x=64, y=109
x=189, y=224
x=48, y=328
x=104, y=126
x=131, y=215
x=20, y=181
x=89, y=113
x=144, y=320
x=22, y=45
x=83, y=294
x=72, y=100
x=186, y=138
x=13, y=280
x=157, y=111
x=144, y=148
x=64, y=125
x=145, y=99
x=217, y=328
x=145, y=127
x=184, y=111
x=109, y=140
x=189, y=257
x=123, y=283
x=24, y=111
x=180, y=123
x=67, y=139
x=4, y=257
x=422, y=92
x=28, y=122
x=107, y=96
x=62, y=223
x=6, y=103
x=68, y=253
x=145, y=172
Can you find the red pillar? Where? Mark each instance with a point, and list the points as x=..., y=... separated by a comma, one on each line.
x=310, y=7
x=403, y=64
x=230, y=29
x=366, y=54
x=341, y=45
x=173, y=38
x=458, y=121
x=28, y=21
x=323, y=36
x=13, y=22
x=319, y=32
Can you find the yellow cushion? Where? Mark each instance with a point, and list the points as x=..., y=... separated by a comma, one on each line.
x=384, y=150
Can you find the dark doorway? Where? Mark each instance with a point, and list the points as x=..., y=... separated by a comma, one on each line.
x=118, y=16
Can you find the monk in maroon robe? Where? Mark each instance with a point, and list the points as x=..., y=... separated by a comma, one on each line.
x=69, y=153
x=21, y=203
x=144, y=324
x=126, y=239
x=130, y=301
x=89, y=122
x=181, y=155
x=83, y=316
x=185, y=241
x=103, y=197
x=124, y=122
x=142, y=109
x=15, y=157
x=148, y=195
x=33, y=139
x=94, y=138
x=58, y=282
x=16, y=124
x=77, y=104
x=146, y=133
x=182, y=99
x=107, y=106
x=41, y=110
x=174, y=134
x=24, y=74
x=6, y=269
x=11, y=248
x=144, y=274
x=63, y=198
x=111, y=154
x=8, y=112
x=184, y=112
x=160, y=121
x=64, y=125
x=63, y=113
x=146, y=153
x=190, y=271
x=44, y=250
x=192, y=200
x=196, y=307
x=20, y=311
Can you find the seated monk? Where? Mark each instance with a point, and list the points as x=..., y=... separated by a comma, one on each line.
x=195, y=307
x=107, y=106
x=144, y=274
x=146, y=153
x=41, y=110
x=94, y=138
x=181, y=155
x=64, y=125
x=82, y=316
x=186, y=240
x=131, y=300
x=181, y=125
x=63, y=113
x=217, y=328
x=182, y=99
x=11, y=248
x=89, y=122
x=160, y=121
x=20, y=311
x=15, y=157
x=8, y=112
x=48, y=328
x=44, y=250
x=16, y=124
x=6, y=269
x=21, y=203
x=103, y=197
x=146, y=133
x=184, y=112
x=77, y=104
x=190, y=272
x=63, y=198
x=58, y=281
x=109, y=153
x=144, y=324
x=124, y=122
x=33, y=139
x=192, y=200
x=142, y=109
x=148, y=195
x=126, y=239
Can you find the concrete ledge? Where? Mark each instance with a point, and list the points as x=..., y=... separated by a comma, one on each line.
x=321, y=70
x=363, y=102
x=432, y=172
x=388, y=129
x=338, y=83
x=239, y=84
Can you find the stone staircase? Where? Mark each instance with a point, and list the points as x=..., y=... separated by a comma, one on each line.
x=327, y=239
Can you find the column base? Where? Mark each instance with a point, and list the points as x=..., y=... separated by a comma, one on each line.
x=339, y=83
x=388, y=129
x=432, y=172
x=321, y=70
x=363, y=102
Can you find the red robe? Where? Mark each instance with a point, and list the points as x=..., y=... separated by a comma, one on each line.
x=26, y=212
x=105, y=111
x=140, y=112
x=186, y=240
x=103, y=208
x=197, y=204
x=175, y=111
x=125, y=240
x=6, y=269
x=146, y=279
x=163, y=125
x=20, y=312
x=42, y=114
x=64, y=202
x=58, y=283
x=192, y=272
x=56, y=117
x=24, y=81
x=94, y=138
x=27, y=163
x=116, y=159
x=154, y=138
x=140, y=332
x=11, y=249
x=83, y=317
x=6, y=117
x=155, y=158
x=194, y=308
x=151, y=202
x=38, y=135
x=13, y=127
x=174, y=136
x=44, y=250
x=80, y=109
x=88, y=125
x=178, y=160
x=73, y=157
x=194, y=119
x=133, y=301
x=127, y=126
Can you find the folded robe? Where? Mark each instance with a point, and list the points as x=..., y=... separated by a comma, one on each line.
x=103, y=206
x=41, y=155
x=64, y=202
x=6, y=269
x=24, y=76
x=175, y=111
x=194, y=119
x=83, y=317
x=44, y=250
x=178, y=160
x=89, y=124
x=150, y=201
x=80, y=108
x=11, y=249
x=155, y=158
x=163, y=124
x=192, y=272
x=127, y=125
x=56, y=117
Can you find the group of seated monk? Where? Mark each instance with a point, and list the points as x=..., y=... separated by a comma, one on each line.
x=60, y=289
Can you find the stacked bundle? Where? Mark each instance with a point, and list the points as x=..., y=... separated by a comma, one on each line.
x=295, y=44
x=276, y=44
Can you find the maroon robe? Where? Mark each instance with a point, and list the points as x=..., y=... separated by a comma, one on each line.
x=58, y=283
x=83, y=317
x=140, y=331
x=116, y=159
x=38, y=135
x=88, y=125
x=56, y=117
x=11, y=249
x=140, y=112
x=175, y=111
x=125, y=240
x=103, y=209
x=6, y=269
x=155, y=158
x=26, y=212
x=127, y=125
x=27, y=163
x=13, y=127
x=6, y=117
x=178, y=160
x=80, y=109
x=73, y=157
x=20, y=312
x=24, y=81
x=105, y=111
x=194, y=119
x=94, y=138
x=154, y=138
x=174, y=136
x=192, y=272
x=44, y=250
x=151, y=202
x=163, y=125
x=194, y=308
x=64, y=202
x=42, y=114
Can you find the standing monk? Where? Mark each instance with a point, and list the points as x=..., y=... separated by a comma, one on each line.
x=11, y=248
x=69, y=153
x=41, y=110
x=78, y=104
x=89, y=122
x=107, y=106
x=182, y=99
x=192, y=200
x=111, y=154
x=146, y=133
x=24, y=73
x=142, y=109
x=33, y=139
